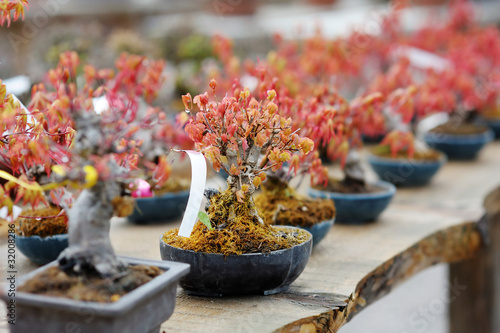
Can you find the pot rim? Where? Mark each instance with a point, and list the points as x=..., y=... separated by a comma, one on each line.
x=330, y=221
x=162, y=242
x=392, y=161
x=174, y=271
x=165, y=196
x=486, y=136
x=389, y=191
x=58, y=237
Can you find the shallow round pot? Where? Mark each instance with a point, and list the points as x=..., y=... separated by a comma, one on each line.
x=495, y=126
x=405, y=172
x=319, y=230
x=458, y=147
x=169, y=206
x=358, y=208
x=40, y=250
x=254, y=273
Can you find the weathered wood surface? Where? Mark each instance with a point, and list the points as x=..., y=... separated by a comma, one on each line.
x=353, y=266
x=477, y=308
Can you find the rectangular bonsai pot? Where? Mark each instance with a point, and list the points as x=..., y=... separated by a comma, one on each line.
x=143, y=309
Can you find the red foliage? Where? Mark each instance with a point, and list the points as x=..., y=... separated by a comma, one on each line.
x=12, y=10
x=114, y=137
x=244, y=136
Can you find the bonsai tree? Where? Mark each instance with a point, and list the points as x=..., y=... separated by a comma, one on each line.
x=101, y=156
x=244, y=137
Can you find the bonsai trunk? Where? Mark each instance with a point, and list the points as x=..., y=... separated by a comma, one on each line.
x=353, y=170
x=90, y=251
x=246, y=177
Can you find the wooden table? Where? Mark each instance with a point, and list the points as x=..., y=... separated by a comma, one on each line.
x=356, y=265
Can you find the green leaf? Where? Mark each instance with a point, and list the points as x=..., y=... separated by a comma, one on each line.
x=205, y=220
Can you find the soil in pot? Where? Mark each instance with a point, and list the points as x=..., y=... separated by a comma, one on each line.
x=419, y=155
x=460, y=129
x=348, y=186
x=235, y=229
x=56, y=283
x=42, y=222
x=279, y=204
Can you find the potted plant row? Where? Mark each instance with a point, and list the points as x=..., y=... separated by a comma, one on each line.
x=472, y=52
x=317, y=110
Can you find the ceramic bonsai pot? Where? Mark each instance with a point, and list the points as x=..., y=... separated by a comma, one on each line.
x=319, y=230
x=458, y=147
x=167, y=207
x=373, y=139
x=358, y=208
x=223, y=174
x=495, y=126
x=404, y=172
x=40, y=250
x=218, y=275
x=141, y=310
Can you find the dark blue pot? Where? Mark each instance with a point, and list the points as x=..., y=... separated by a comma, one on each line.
x=373, y=139
x=405, y=172
x=219, y=275
x=40, y=250
x=319, y=230
x=358, y=208
x=223, y=174
x=458, y=147
x=495, y=127
x=167, y=207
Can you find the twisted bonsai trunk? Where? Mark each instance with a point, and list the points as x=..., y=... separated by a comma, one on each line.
x=90, y=250
x=247, y=176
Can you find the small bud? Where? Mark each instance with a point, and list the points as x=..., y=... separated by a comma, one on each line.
x=186, y=99
x=244, y=94
x=213, y=84
x=272, y=108
x=271, y=94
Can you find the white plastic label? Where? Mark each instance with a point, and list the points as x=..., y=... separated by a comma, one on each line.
x=4, y=213
x=31, y=119
x=198, y=180
x=422, y=59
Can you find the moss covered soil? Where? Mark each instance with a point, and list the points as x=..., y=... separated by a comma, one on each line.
x=281, y=205
x=235, y=230
x=41, y=222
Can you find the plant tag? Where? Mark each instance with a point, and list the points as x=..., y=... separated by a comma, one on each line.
x=31, y=119
x=428, y=123
x=422, y=59
x=198, y=180
x=4, y=213
x=100, y=104
x=17, y=85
